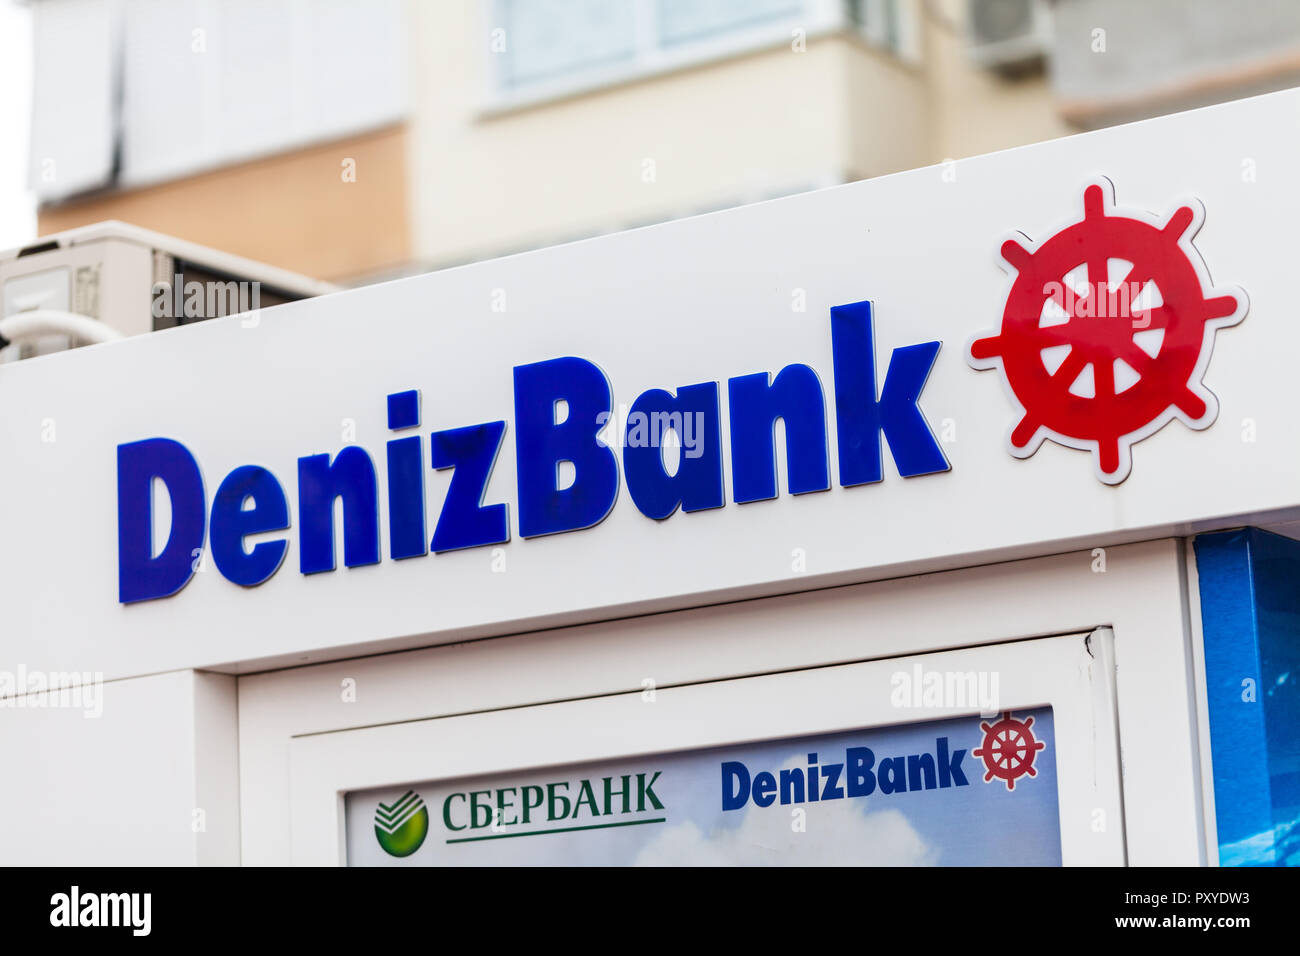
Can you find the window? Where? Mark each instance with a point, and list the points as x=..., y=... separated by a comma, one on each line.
x=682, y=21
x=891, y=24
x=132, y=94
x=541, y=49
x=548, y=38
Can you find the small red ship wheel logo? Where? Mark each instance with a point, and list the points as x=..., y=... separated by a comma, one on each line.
x=1009, y=749
x=1107, y=331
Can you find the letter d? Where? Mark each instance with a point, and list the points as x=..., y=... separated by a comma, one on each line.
x=735, y=785
x=140, y=575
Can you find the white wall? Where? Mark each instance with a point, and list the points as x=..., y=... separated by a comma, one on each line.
x=123, y=787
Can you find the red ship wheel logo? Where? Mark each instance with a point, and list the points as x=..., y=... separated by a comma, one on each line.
x=1009, y=749
x=1107, y=331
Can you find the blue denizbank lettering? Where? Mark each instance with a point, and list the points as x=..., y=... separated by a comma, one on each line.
x=860, y=774
x=560, y=408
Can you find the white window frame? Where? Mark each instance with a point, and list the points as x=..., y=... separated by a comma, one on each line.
x=818, y=18
x=908, y=22
x=1075, y=677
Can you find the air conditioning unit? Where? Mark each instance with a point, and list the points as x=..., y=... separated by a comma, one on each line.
x=1009, y=36
x=131, y=280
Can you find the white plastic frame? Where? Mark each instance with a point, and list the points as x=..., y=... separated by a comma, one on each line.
x=1140, y=590
x=1074, y=676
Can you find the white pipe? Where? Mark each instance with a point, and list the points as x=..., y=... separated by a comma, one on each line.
x=39, y=322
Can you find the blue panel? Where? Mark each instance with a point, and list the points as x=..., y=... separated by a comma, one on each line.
x=1275, y=568
x=1250, y=614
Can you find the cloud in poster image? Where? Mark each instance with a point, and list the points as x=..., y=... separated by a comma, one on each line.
x=839, y=833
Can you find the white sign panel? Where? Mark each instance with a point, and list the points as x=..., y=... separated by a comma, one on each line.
x=1068, y=345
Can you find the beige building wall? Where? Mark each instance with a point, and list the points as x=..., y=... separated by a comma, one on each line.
x=720, y=133
x=887, y=109
x=975, y=110
x=657, y=147
x=299, y=210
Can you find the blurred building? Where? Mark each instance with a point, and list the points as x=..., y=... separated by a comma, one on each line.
x=358, y=139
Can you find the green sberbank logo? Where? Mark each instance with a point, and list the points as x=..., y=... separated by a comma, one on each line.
x=400, y=827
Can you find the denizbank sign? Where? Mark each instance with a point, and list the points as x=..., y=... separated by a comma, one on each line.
x=562, y=406
x=1106, y=336
x=942, y=792
x=1067, y=346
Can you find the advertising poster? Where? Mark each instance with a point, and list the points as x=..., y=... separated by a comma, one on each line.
x=956, y=792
